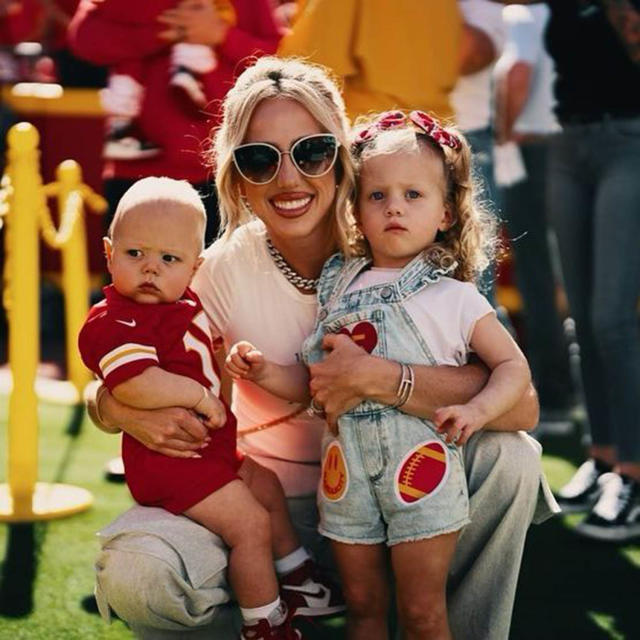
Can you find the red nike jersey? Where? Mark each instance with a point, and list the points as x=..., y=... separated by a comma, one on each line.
x=118, y=341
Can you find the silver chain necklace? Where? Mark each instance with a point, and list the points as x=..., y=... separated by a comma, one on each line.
x=306, y=284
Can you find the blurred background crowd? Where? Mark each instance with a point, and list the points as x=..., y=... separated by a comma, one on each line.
x=543, y=90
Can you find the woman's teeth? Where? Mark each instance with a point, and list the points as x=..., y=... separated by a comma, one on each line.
x=292, y=204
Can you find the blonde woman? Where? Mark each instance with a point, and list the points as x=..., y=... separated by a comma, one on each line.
x=285, y=179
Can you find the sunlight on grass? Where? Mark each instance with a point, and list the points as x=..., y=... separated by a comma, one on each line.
x=632, y=554
x=558, y=470
x=606, y=623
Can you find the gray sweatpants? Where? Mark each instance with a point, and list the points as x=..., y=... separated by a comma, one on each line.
x=165, y=575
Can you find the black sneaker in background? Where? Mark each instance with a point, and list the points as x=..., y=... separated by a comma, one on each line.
x=583, y=490
x=616, y=515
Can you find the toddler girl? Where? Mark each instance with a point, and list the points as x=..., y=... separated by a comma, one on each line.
x=403, y=291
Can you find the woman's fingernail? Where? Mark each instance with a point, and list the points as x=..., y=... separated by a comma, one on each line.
x=196, y=455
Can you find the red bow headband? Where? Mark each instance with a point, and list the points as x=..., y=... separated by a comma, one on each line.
x=425, y=123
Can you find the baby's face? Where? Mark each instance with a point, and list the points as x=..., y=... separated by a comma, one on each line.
x=154, y=252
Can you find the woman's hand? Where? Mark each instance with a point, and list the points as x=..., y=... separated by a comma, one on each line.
x=337, y=382
x=174, y=432
x=194, y=21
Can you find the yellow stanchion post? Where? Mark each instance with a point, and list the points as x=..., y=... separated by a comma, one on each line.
x=24, y=499
x=75, y=272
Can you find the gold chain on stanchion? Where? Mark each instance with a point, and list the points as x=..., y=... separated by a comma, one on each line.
x=54, y=237
x=6, y=191
x=57, y=238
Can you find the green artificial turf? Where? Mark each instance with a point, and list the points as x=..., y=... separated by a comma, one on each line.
x=569, y=587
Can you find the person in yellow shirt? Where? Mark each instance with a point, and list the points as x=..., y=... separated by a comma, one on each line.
x=389, y=54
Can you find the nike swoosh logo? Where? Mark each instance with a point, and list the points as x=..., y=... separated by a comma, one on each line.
x=127, y=323
x=317, y=598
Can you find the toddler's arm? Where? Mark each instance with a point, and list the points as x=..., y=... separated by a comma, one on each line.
x=510, y=377
x=156, y=388
x=290, y=382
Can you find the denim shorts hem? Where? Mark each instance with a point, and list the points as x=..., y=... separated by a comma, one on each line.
x=425, y=535
x=348, y=540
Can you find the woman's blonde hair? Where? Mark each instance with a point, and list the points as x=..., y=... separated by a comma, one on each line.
x=471, y=240
x=294, y=79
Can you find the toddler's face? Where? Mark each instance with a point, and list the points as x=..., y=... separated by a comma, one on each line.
x=401, y=205
x=154, y=253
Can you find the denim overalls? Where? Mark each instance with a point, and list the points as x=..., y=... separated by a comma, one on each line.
x=388, y=476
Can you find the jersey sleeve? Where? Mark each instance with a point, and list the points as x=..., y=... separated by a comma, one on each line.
x=474, y=307
x=116, y=353
x=255, y=33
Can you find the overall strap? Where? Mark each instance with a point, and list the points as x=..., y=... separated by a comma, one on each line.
x=328, y=276
x=419, y=273
x=351, y=268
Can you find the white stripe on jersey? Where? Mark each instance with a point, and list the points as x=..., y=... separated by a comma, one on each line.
x=124, y=354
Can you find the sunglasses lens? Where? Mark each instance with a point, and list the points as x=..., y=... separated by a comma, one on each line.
x=257, y=162
x=314, y=156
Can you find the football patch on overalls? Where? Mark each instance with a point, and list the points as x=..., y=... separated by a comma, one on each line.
x=335, y=476
x=364, y=334
x=422, y=472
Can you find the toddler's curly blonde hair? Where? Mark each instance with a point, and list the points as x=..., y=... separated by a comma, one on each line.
x=471, y=240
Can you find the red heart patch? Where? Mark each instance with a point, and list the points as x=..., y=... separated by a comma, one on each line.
x=364, y=334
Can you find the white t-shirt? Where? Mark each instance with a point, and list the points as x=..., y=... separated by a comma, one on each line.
x=445, y=313
x=525, y=42
x=471, y=97
x=247, y=298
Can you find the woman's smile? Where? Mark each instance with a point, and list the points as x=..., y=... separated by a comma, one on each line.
x=291, y=205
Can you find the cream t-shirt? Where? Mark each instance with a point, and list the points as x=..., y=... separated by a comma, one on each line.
x=247, y=298
x=445, y=313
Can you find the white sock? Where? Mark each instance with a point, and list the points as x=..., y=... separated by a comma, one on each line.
x=274, y=612
x=291, y=561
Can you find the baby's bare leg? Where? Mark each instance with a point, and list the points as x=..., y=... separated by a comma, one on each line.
x=244, y=524
x=420, y=570
x=267, y=490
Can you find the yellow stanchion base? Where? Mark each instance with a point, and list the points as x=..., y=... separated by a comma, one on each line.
x=49, y=501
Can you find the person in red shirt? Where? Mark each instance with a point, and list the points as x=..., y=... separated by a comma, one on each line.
x=111, y=32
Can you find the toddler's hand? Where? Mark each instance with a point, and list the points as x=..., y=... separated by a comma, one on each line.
x=458, y=422
x=212, y=410
x=245, y=361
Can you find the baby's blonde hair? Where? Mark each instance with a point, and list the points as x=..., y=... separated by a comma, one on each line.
x=470, y=241
x=161, y=192
x=281, y=78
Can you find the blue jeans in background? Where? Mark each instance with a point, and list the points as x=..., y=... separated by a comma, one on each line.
x=595, y=209
x=526, y=218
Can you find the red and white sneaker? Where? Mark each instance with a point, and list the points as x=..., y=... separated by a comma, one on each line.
x=262, y=630
x=308, y=592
